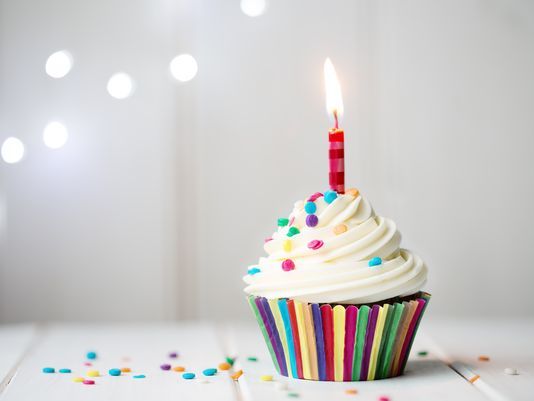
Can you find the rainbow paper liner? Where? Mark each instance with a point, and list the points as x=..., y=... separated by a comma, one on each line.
x=339, y=342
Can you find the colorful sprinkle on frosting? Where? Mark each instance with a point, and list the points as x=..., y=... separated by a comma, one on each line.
x=254, y=270
x=376, y=261
x=288, y=265
x=340, y=229
x=330, y=196
x=315, y=244
x=311, y=220
x=293, y=231
x=352, y=191
x=286, y=245
x=314, y=197
x=310, y=207
x=282, y=222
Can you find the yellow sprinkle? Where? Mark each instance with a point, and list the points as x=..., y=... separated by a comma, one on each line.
x=93, y=373
x=266, y=378
x=474, y=378
x=237, y=374
x=78, y=380
x=287, y=245
x=179, y=369
x=126, y=370
x=351, y=391
x=224, y=366
x=340, y=229
x=484, y=358
x=352, y=191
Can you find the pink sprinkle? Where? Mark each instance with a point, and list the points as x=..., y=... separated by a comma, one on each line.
x=291, y=220
x=315, y=244
x=383, y=398
x=314, y=197
x=267, y=239
x=288, y=265
x=88, y=364
x=87, y=381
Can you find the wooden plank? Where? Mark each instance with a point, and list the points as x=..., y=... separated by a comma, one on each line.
x=14, y=341
x=145, y=346
x=426, y=378
x=507, y=342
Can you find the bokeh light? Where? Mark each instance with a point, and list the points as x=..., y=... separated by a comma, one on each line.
x=120, y=85
x=55, y=135
x=58, y=64
x=184, y=67
x=12, y=150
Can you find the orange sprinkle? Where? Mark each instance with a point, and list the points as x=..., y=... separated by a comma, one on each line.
x=352, y=191
x=474, y=378
x=484, y=358
x=126, y=370
x=340, y=229
x=224, y=366
x=351, y=391
x=179, y=369
x=237, y=374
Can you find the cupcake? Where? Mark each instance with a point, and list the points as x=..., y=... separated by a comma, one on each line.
x=336, y=297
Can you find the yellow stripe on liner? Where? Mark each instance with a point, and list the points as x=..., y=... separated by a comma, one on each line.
x=299, y=312
x=310, y=332
x=339, y=341
x=273, y=303
x=382, y=314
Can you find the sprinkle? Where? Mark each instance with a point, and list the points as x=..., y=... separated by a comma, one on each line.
x=65, y=371
x=114, y=372
x=126, y=370
x=252, y=271
x=311, y=220
x=188, y=376
x=173, y=355
x=230, y=360
x=511, y=371
x=88, y=364
x=293, y=395
x=49, y=370
x=266, y=378
x=88, y=381
x=78, y=379
x=237, y=375
x=179, y=369
x=91, y=355
x=224, y=366
x=310, y=207
x=287, y=245
x=165, y=366
x=352, y=191
x=330, y=196
x=267, y=240
x=288, y=265
x=422, y=353
x=483, y=358
x=340, y=229
x=292, y=231
x=281, y=386
x=93, y=373
x=209, y=372
x=376, y=261
x=139, y=376
x=383, y=398
x=315, y=244
x=351, y=391
x=291, y=220
x=252, y=359
x=282, y=222
x=314, y=197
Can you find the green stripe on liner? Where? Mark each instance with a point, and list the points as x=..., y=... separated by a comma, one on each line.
x=383, y=342
x=252, y=303
x=390, y=344
x=361, y=328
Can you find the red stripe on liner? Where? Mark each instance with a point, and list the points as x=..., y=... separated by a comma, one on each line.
x=328, y=334
x=296, y=338
x=336, y=136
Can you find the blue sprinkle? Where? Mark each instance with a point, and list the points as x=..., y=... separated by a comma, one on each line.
x=91, y=355
x=139, y=376
x=330, y=196
x=376, y=261
x=310, y=207
x=114, y=372
x=188, y=376
x=209, y=372
x=253, y=271
x=48, y=370
x=65, y=371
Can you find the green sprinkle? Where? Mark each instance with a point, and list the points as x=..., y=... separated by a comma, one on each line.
x=65, y=371
x=422, y=353
x=230, y=360
x=293, y=395
x=292, y=231
x=252, y=359
x=282, y=222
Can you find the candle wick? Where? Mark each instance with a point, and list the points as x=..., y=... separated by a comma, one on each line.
x=336, y=123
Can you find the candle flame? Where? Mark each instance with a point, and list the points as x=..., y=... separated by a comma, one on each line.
x=334, y=101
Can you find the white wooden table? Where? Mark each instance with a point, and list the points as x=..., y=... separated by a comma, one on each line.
x=25, y=350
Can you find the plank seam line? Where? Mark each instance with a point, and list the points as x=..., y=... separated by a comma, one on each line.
x=225, y=343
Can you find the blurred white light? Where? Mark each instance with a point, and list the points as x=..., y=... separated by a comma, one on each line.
x=184, y=67
x=12, y=150
x=120, y=85
x=58, y=64
x=253, y=8
x=55, y=135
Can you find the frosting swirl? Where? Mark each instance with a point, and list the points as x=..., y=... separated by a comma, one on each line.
x=347, y=255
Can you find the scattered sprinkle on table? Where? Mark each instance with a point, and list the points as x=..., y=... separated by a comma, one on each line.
x=87, y=381
x=173, y=355
x=383, y=398
x=422, y=353
x=91, y=355
x=252, y=359
x=188, y=376
x=237, y=375
x=230, y=360
x=511, y=371
x=209, y=372
x=126, y=370
x=483, y=358
x=49, y=370
x=266, y=378
x=224, y=366
x=139, y=376
x=165, y=366
x=179, y=368
x=293, y=395
x=65, y=370
x=93, y=373
x=114, y=372
x=88, y=364
x=78, y=380
x=351, y=391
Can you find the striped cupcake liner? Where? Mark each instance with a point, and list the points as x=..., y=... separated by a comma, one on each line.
x=341, y=342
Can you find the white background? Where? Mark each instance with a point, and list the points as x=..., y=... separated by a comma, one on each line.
x=158, y=203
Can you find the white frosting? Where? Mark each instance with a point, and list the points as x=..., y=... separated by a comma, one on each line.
x=339, y=271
